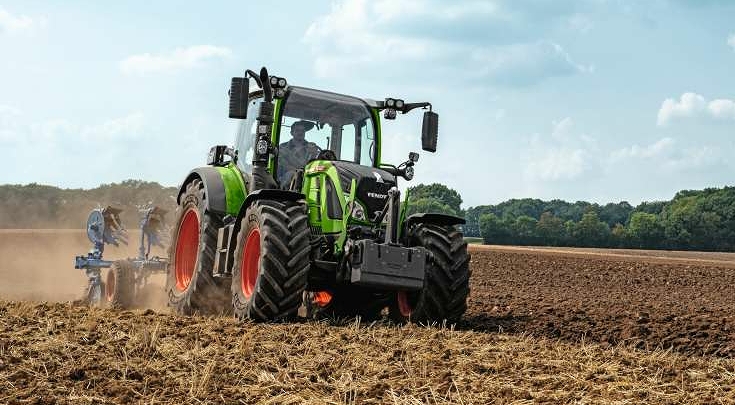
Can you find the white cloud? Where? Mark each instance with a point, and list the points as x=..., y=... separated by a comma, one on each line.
x=128, y=127
x=62, y=131
x=561, y=130
x=689, y=105
x=557, y=163
x=580, y=23
x=14, y=23
x=178, y=59
x=722, y=109
x=87, y=153
x=8, y=110
x=358, y=34
x=692, y=105
x=9, y=116
x=562, y=156
x=664, y=156
x=656, y=149
x=731, y=41
x=525, y=63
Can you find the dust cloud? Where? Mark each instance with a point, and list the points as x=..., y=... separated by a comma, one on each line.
x=38, y=265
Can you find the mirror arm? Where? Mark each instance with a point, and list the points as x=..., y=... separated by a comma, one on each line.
x=411, y=106
x=255, y=77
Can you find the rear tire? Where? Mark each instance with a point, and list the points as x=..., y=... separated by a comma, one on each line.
x=190, y=285
x=446, y=282
x=120, y=285
x=271, y=261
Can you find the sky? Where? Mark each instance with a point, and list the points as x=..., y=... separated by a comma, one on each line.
x=598, y=100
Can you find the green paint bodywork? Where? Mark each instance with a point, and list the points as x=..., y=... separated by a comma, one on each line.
x=235, y=190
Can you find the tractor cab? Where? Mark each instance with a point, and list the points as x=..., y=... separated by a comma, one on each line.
x=311, y=123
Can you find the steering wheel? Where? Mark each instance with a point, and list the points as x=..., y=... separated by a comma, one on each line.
x=326, y=154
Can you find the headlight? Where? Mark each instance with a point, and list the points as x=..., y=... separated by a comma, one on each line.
x=262, y=147
x=408, y=173
x=358, y=212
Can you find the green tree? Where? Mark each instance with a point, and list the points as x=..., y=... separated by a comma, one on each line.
x=590, y=231
x=524, y=229
x=645, y=230
x=438, y=192
x=472, y=216
x=615, y=213
x=493, y=230
x=550, y=229
x=619, y=236
x=429, y=205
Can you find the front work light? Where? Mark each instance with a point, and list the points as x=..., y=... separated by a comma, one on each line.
x=408, y=173
x=262, y=147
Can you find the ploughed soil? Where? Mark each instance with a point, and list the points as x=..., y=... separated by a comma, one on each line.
x=687, y=307
x=542, y=326
x=61, y=354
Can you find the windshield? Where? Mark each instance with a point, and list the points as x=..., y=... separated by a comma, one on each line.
x=245, y=139
x=313, y=121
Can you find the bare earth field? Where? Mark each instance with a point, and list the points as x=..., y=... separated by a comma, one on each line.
x=543, y=326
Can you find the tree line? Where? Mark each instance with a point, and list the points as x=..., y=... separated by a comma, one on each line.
x=40, y=206
x=692, y=220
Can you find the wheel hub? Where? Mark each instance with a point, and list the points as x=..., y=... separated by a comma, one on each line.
x=187, y=249
x=250, y=265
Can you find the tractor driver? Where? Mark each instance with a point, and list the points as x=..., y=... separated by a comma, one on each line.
x=294, y=154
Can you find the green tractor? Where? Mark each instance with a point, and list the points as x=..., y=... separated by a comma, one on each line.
x=302, y=217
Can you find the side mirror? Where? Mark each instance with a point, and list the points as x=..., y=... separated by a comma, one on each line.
x=239, y=89
x=430, y=131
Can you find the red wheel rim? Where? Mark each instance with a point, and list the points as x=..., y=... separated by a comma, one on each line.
x=404, y=306
x=110, y=285
x=187, y=249
x=250, y=265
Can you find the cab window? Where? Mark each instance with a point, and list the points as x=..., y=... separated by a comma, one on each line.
x=245, y=140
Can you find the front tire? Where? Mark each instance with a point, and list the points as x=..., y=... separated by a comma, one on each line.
x=446, y=282
x=190, y=285
x=271, y=261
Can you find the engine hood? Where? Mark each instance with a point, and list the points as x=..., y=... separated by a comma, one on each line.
x=372, y=184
